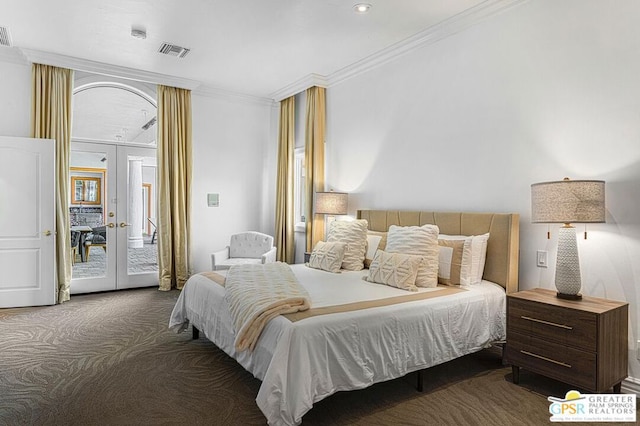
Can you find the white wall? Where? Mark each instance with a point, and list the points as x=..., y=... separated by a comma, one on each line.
x=231, y=141
x=544, y=90
x=15, y=92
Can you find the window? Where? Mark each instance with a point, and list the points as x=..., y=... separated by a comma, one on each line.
x=109, y=111
x=299, y=198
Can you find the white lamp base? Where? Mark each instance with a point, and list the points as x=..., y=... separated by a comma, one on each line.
x=568, y=280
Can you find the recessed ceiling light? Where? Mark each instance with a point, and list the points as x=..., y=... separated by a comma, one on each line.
x=362, y=7
x=138, y=33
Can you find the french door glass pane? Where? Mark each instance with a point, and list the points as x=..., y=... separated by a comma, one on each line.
x=88, y=213
x=142, y=254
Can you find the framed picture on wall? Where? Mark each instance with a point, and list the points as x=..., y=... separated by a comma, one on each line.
x=85, y=190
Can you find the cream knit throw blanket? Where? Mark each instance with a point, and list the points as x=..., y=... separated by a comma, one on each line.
x=257, y=293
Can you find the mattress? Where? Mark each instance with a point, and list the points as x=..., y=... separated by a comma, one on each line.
x=302, y=362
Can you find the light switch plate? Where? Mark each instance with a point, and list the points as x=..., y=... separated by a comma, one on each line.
x=541, y=258
x=213, y=200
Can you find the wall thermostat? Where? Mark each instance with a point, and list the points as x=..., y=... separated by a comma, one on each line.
x=213, y=200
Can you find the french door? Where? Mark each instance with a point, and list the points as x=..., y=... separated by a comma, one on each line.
x=114, y=218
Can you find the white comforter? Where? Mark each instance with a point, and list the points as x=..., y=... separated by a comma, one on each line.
x=303, y=362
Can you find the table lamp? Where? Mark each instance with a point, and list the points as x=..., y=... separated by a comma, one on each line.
x=331, y=203
x=568, y=201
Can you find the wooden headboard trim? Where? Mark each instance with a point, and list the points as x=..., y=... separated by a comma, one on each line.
x=501, y=265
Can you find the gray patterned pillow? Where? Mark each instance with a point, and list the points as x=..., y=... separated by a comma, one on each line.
x=395, y=269
x=419, y=241
x=354, y=234
x=327, y=256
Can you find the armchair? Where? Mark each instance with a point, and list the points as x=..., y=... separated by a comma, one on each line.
x=246, y=247
x=98, y=238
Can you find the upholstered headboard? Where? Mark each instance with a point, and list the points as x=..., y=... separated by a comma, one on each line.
x=504, y=236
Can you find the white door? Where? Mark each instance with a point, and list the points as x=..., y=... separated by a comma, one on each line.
x=126, y=256
x=137, y=246
x=94, y=266
x=27, y=222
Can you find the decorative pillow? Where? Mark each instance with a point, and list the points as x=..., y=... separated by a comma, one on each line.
x=450, y=261
x=420, y=241
x=473, y=257
x=395, y=269
x=373, y=244
x=354, y=234
x=327, y=256
x=383, y=238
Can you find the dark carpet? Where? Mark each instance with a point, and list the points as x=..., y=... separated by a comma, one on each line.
x=109, y=359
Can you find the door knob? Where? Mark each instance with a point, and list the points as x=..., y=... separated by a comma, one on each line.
x=123, y=224
x=111, y=225
x=47, y=233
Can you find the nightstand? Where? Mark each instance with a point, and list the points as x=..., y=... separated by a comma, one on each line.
x=579, y=342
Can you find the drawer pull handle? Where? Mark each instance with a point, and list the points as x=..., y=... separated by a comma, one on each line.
x=546, y=359
x=546, y=322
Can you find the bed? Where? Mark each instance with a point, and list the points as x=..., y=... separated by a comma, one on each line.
x=303, y=358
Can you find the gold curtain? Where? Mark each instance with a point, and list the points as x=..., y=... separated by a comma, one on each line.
x=174, y=185
x=284, y=190
x=51, y=119
x=314, y=162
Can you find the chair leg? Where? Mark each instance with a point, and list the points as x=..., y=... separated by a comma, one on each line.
x=87, y=250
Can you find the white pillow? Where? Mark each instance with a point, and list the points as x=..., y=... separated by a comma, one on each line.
x=327, y=256
x=420, y=241
x=373, y=242
x=474, y=256
x=354, y=234
x=450, y=261
x=394, y=269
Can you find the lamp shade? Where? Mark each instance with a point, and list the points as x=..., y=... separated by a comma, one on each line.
x=334, y=203
x=568, y=201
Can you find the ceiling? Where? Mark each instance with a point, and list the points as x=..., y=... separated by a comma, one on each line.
x=113, y=112
x=249, y=47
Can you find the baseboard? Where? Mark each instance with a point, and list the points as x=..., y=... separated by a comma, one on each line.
x=631, y=385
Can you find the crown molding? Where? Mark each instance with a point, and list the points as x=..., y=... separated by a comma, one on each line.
x=442, y=30
x=12, y=55
x=299, y=86
x=437, y=32
x=217, y=93
x=79, y=64
x=137, y=75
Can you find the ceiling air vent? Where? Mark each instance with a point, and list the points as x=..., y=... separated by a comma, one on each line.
x=173, y=50
x=5, y=37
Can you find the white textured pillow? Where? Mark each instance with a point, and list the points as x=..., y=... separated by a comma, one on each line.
x=395, y=269
x=420, y=241
x=327, y=256
x=474, y=256
x=354, y=234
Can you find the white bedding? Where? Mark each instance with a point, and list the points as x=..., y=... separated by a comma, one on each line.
x=303, y=362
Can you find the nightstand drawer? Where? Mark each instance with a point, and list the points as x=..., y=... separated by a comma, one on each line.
x=566, y=364
x=564, y=326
